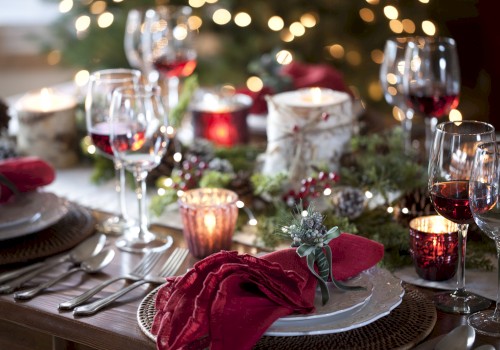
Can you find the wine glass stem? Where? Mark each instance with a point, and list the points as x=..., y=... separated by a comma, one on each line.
x=462, y=242
x=120, y=187
x=140, y=191
x=496, y=314
x=406, y=125
x=173, y=92
x=430, y=130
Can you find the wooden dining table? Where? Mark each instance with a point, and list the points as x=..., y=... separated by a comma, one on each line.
x=38, y=324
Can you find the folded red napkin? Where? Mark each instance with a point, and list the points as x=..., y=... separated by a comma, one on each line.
x=26, y=174
x=315, y=75
x=227, y=301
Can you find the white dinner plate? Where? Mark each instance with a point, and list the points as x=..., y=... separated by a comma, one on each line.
x=31, y=212
x=340, y=301
x=387, y=294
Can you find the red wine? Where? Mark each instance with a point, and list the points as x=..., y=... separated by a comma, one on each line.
x=451, y=200
x=436, y=105
x=100, y=135
x=181, y=66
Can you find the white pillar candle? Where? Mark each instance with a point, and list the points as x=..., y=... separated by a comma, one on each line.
x=47, y=127
x=305, y=128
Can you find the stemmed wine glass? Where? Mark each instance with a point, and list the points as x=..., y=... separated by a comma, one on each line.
x=101, y=85
x=132, y=43
x=484, y=201
x=168, y=45
x=139, y=139
x=431, y=81
x=450, y=165
x=391, y=72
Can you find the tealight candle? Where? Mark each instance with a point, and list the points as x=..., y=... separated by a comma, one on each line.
x=47, y=127
x=209, y=219
x=221, y=117
x=434, y=247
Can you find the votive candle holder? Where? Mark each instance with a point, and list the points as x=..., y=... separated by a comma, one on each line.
x=434, y=247
x=209, y=219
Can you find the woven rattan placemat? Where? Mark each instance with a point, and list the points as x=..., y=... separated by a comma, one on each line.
x=407, y=325
x=73, y=228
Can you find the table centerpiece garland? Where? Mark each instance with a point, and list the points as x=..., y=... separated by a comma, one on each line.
x=377, y=191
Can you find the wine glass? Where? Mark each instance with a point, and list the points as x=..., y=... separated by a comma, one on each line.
x=431, y=82
x=132, y=43
x=484, y=203
x=168, y=45
x=391, y=72
x=450, y=165
x=97, y=102
x=139, y=139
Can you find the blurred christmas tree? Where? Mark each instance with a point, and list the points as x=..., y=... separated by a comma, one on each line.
x=348, y=34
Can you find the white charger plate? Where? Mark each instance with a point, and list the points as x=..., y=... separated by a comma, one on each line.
x=387, y=294
x=31, y=212
x=339, y=303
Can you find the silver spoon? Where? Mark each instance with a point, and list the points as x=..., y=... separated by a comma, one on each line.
x=460, y=338
x=87, y=248
x=90, y=265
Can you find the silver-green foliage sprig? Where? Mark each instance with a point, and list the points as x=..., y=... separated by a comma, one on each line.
x=311, y=238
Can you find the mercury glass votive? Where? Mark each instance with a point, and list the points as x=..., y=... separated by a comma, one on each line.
x=434, y=247
x=209, y=220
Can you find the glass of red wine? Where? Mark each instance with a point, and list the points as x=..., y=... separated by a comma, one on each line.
x=168, y=45
x=139, y=140
x=431, y=81
x=101, y=85
x=391, y=72
x=450, y=166
x=484, y=202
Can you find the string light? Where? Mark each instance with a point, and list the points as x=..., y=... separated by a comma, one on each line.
x=276, y=23
x=242, y=19
x=367, y=15
x=221, y=16
x=337, y=51
x=105, y=20
x=254, y=84
x=429, y=28
x=65, y=6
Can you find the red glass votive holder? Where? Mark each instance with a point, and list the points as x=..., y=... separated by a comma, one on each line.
x=221, y=116
x=434, y=247
x=209, y=219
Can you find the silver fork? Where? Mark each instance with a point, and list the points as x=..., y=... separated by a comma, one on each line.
x=170, y=267
x=144, y=267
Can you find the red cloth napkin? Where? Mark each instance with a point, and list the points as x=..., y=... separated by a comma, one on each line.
x=26, y=173
x=315, y=75
x=227, y=301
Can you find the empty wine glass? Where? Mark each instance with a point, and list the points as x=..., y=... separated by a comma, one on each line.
x=431, y=81
x=132, y=43
x=484, y=200
x=450, y=166
x=101, y=85
x=391, y=72
x=139, y=139
x=168, y=45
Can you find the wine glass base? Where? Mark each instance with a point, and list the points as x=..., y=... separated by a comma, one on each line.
x=140, y=245
x=117, y=226
x=460, y=303
x=483, y=322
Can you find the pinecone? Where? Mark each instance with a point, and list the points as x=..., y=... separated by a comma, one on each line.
x=416, y=203
x=349, y=202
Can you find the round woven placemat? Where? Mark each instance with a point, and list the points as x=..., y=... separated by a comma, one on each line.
x=73, y=228
x=406, y=326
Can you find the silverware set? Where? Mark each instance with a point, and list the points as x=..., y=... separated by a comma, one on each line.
x=90, y=257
